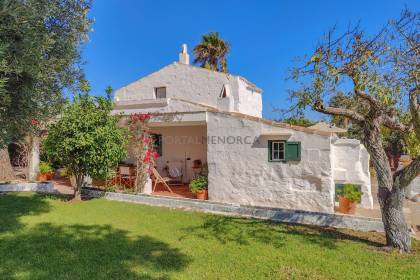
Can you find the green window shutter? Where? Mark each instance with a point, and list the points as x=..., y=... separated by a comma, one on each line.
x=269, y=149
x=292, y=151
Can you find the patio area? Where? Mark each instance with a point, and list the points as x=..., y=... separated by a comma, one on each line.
x=180, y=191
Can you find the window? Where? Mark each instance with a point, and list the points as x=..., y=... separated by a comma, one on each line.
x=157, y=143
x=223, y=94
x=277, y=151
x=160, y=92
x=283, y=150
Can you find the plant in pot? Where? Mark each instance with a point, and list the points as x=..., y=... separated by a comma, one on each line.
x=199, y=186
x=348, y=198
x=46, y=172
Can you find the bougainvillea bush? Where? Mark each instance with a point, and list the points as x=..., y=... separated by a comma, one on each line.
x=142, y=141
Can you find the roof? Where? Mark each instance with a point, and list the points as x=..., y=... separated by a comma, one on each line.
x=325, y=127
x=257, y=119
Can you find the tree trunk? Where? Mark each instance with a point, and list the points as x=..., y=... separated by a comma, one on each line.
x=396, y=230
x=6, y=169
x=390, y=195
x=78, y=187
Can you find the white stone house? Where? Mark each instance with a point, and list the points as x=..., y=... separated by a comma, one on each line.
x=217, y=118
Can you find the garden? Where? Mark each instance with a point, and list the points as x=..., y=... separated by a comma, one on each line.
x=45, y=237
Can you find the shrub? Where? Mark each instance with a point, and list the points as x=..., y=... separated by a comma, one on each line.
x=44, y=167
x=86, y=139
x=350, y=192
x=198, y=184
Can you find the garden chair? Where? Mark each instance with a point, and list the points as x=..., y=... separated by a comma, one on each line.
x=159, y=179
x=175, y=172
x=126, y=177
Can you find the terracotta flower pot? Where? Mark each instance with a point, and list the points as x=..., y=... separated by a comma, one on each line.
x=346, y=206
x=50, y=175
x=202, y=194
x=43, y=177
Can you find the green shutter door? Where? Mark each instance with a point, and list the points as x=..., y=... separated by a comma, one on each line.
x=269, y=149
x=292, y=151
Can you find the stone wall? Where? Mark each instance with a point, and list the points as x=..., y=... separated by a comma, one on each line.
x=272, y=214
x=350, y=161
x=241, y=173
x=47, y=187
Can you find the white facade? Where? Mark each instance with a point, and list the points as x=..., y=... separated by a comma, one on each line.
x=219, y=106
x=183, y=81
x=241, y=173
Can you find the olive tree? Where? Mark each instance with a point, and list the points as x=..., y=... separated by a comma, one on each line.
x=39, y=59
x=86, y=139
x=380, y=74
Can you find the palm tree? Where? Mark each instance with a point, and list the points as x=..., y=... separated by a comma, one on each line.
x=211, y=52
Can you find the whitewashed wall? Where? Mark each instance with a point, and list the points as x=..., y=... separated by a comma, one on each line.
x=249, y=101
x=194, y=84
x=350, y=161
x=241, y=173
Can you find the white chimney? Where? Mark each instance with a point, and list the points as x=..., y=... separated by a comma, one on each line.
x=184, y=58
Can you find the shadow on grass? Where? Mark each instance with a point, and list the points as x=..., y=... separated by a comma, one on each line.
x=15, y=205
x=242, y=231
x=86, y=252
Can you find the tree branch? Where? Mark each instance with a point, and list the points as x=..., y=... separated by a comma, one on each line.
x=414, y=96
x=403, y=177
x=319, y=107
x=368, y=97
x=394, y=124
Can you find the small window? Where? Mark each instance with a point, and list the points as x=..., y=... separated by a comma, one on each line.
x=283, y=151
x=160, y=92
x=225, y=91
x=223, y=94
x=277, y=150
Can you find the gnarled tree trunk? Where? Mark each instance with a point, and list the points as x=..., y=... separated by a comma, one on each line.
x=6, y=169
x=390, y=195
x=396, y=230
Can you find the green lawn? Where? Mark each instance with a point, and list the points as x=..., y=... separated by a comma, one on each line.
x=44, y=237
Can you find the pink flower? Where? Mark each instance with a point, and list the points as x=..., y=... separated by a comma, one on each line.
x=147, y=140
x=140, y=117
x=34, y=122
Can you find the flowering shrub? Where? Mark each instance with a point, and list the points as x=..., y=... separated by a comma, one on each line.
x=144, y=152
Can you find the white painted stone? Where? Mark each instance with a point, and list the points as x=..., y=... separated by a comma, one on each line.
x=33, y=162
x=350, y=161
x=148, y=186
x=241, y=173
x=195, y=84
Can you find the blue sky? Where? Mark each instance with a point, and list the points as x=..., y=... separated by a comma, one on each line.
x=134, y=38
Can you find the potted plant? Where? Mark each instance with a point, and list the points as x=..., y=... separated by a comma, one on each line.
x=348, y=198
x=199, y=186
x=45, y=171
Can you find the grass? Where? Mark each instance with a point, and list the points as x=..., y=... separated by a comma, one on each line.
x=44, y=237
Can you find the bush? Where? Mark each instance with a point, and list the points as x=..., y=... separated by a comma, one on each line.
x=198, y=184
x=350, y=192
x=44, y=167
x=86, y=139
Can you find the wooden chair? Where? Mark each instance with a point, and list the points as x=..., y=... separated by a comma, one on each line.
x=126, y=176
x=160, y=179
